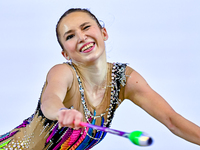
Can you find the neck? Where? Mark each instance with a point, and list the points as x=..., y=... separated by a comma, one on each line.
x=94, y=75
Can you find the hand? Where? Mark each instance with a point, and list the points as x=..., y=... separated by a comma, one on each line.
x=69, y=118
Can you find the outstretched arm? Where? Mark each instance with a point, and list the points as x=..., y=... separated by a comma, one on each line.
x=59, y=80
x=139, y=92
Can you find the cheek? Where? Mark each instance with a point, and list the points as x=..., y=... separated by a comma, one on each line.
x=95, y=32
x=69, y=46
x=98, y=37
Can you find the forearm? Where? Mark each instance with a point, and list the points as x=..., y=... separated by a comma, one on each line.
x=59, y=79
x=51, y=106
x=184, y=129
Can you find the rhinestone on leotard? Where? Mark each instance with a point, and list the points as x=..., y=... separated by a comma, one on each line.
x=118, y=78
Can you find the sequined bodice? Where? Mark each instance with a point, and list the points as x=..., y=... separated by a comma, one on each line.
x=38, y=132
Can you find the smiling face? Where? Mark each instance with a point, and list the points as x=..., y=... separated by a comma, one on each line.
x=81, y=37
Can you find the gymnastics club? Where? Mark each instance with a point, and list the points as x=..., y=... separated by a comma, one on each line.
x=137, y=137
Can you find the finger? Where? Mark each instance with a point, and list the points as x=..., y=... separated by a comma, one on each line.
x=78, y=119
x=61, y=116
x=68, y=121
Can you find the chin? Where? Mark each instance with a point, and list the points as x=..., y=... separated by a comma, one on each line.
x=94, y=58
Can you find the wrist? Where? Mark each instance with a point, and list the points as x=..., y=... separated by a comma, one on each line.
x=58, y=112
x=64, y=108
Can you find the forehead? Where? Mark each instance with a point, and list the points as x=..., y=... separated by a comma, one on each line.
x=75, y=19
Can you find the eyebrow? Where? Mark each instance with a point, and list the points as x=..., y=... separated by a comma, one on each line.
x=82, y=25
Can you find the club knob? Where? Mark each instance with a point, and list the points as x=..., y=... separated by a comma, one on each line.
x=140, y=138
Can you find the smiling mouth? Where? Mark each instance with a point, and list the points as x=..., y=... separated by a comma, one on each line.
x=87, y=47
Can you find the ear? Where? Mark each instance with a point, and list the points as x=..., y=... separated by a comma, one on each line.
x=64, y=53
x=105, y=34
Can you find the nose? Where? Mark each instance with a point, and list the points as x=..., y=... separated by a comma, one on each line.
x=81, y=36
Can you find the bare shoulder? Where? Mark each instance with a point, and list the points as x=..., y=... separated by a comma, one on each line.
x=136, y=81
x=61, y=68
x=136, y=84
x=60, y=73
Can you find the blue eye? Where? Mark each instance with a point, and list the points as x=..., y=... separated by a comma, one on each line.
x=69, y=37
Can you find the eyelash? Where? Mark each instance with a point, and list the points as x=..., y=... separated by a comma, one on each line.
x=69, y=37
x=72, y=35
x=86, y=27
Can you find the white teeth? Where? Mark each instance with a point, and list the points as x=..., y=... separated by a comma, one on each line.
x=86, y=47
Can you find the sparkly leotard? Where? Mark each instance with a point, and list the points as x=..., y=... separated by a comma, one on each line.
x=39, y=133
